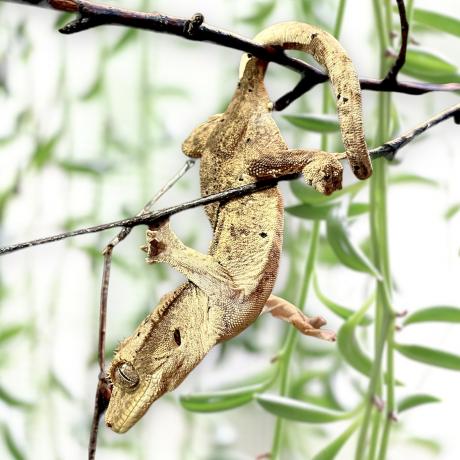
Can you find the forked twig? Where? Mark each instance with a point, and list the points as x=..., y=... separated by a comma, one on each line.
x=103, y=389
x=392, y=74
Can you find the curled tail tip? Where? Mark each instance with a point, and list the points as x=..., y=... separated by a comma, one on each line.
x=362, y=169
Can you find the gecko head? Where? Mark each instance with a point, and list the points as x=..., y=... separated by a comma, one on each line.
x=163, y=350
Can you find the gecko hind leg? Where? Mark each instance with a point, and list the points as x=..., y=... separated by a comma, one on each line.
x=282, y=309
x=201, y=269
x=321, y=169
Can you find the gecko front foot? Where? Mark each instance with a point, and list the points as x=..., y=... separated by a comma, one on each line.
x=160, y=240
x=324, y=173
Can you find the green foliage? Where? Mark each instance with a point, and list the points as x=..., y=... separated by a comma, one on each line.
x=434, y=314
x=11, y=444
x=416, y=400
x=330, y=451
x=430, y=356
x=438, y=21
x=314, y=122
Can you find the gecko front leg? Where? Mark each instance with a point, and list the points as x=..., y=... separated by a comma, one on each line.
x=321, y=169
x=163, y=245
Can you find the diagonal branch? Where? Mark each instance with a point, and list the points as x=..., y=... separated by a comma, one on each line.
x=91, y=14
x=387, y=150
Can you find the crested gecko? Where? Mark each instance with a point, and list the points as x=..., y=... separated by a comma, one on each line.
x=228, y=288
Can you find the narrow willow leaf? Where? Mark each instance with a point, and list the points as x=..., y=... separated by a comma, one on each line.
x=319, y=123
x=347, y=252
x=331, y=450
x=426, y=65
x=348, y=344
x=339, y=310
x=11, y=444
x=260, y=14
x=56, y=383
x=452, y=211
x=8, y=333
x=220, y=400
x=416, y=400
x=427, y=444
x=44, y=151
x=320, y=212
x=430, y=356
x=13, y=401
x=411, y=179
x=292, y=409
x=62, y=20
x=95, y=88
x=125, y=38
x=92, y=168
x=434, y=314
x=438, y=21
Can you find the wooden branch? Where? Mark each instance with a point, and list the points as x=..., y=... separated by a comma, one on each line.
x=401, y=59
x=91, y=14
x=387, y=150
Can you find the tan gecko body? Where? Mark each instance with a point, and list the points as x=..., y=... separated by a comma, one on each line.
x=228, y=288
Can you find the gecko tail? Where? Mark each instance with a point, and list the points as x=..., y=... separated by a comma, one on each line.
x=329, y=53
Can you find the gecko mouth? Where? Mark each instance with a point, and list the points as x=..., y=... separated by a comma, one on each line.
x=123, y=412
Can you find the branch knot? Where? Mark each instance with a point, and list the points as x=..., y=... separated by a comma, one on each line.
x=192, y=26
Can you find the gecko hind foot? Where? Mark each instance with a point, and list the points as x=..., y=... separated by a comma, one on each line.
x=160, y=240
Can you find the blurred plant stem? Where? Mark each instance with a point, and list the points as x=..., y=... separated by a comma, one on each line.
x=384, y=316
x=287, y=351
x=292, y=337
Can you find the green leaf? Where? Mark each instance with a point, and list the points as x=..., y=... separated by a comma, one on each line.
x=260, y=14
x=11, y=444
x=416, y=400
x=320, y=123
x=95, y=88
x=339, y=239
x=44, y=151
x=62, y=20
x=411, y=179
x=430, y=356
x=438, y=21
x=56, y=383
x=341, y=311
x=435, y=314
x=298, y=411
x=220, y=400
x=12, y=401
x=452, y=211
x=9, y=332
x=428, y=66
x=331, y=450
x=92, y=168
x=123, y=40
x=317, y=212
x=348, y=343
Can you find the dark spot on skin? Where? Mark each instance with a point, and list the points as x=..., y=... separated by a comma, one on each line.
x=263, y=234
x=240, y=178
x=250, y=90
x=356, y=168
x=338, y=96
x=345, y=99
x=222, y=120
x=138, y=334
x=177, y=337
x=239, y=85
x=248, y=140
x=109, y=425
x=249, y=56
x=313, y=36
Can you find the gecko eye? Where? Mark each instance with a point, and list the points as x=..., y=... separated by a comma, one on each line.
x=177, y=338
x=126, y=376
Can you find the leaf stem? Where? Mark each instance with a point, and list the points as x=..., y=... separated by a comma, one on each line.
x=292, y=337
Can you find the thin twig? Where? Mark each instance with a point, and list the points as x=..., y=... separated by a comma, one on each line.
x=92, y=15
x=387, y=150
x=103, y=390
x=401, y=59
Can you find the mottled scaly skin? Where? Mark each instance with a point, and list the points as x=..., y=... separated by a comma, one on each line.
x=229, y=287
